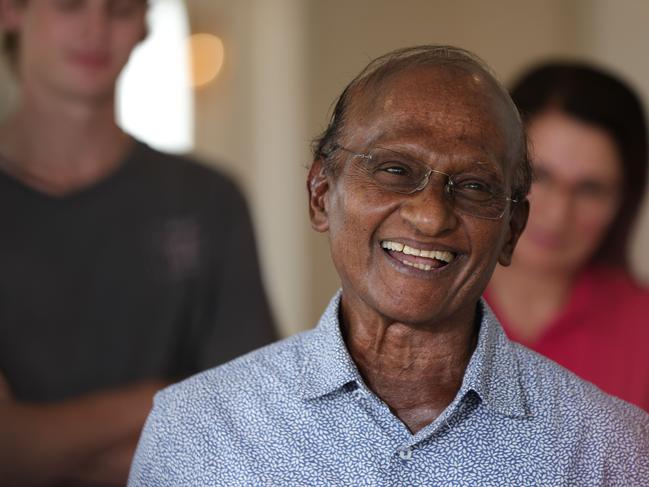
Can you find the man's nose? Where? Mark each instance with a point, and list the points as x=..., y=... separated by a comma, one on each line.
x=430, y=210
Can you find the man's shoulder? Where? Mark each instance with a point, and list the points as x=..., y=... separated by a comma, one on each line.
x=562, y=397
x=244, y=382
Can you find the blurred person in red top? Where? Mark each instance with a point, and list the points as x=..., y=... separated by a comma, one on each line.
x=117, y=268
x=569, y=293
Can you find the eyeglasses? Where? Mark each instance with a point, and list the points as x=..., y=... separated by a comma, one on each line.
x=479, y=193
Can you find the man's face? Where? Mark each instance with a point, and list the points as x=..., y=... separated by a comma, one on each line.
x=75, y=47
x=450, y=121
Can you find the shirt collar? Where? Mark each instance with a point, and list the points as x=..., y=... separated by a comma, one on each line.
x=327, y=365
x=492, y=373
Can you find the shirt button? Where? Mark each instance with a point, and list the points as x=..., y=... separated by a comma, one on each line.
x=405, y=454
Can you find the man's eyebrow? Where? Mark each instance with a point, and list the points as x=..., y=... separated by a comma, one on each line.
x=482, y=166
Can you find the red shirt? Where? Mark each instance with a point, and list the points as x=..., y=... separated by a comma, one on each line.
x=602, y=334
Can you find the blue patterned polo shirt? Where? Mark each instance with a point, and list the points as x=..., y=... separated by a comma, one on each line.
x=297, y=413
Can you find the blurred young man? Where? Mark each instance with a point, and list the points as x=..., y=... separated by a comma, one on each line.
x=121, y=268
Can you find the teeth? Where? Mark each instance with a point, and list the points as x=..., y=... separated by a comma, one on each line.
x=411, y=251
x=423, y=267
x=392, y=245
x=431, y=254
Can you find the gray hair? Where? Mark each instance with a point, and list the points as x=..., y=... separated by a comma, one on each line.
x=377, y=71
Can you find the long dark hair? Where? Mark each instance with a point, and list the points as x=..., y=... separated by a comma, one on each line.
x=599, y=98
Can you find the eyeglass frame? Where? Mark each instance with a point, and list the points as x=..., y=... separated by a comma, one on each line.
x=448, y=186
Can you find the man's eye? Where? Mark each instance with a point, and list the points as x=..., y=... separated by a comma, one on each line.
x=393, y=167
x=476, y=190
x=396, y=170
x=474, y=186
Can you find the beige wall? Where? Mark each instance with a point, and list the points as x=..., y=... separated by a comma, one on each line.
x=253, y=120
x=615, y=33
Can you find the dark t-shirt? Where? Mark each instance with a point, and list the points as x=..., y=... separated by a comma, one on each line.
x=151, y=273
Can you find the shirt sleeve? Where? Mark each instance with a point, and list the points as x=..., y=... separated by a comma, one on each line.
x=155, y=460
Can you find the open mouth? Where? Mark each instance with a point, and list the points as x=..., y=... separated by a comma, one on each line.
x=425, y=260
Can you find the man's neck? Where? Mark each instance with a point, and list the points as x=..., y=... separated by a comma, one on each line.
x=415, y=371
x=59, y=145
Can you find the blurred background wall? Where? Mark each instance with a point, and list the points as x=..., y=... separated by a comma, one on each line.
x=285, y=61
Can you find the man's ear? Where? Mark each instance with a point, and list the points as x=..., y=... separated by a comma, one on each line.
x=317, y=184
x=517, y=222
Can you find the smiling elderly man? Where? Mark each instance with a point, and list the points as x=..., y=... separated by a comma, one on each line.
x=420, y=182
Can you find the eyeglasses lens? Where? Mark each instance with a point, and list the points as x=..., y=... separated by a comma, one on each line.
x=473, y=195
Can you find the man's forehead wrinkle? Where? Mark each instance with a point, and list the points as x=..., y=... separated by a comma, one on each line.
x=401, y=127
